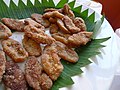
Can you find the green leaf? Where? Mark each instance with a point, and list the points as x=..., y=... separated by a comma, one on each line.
x=77, y=9
x=11, y=9
x=71, y=4
x=63, y=81
x=51, y=3
x=92, y=17
x=61, y=3
x=85, y=52
x=84, y=14
x=71, y=70
x=97, y=27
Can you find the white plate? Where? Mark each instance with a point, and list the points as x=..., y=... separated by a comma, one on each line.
x=99, y=74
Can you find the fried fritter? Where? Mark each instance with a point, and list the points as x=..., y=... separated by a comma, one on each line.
x=53, y=9
x=79, y=22
x=53, y=20
x=14, y=50
x=80, y=38
x=51, y=62
x=38, y=35
x=14, y=24
x=32, y=47
x=53, y=28
x=33, y=71
x=50, y=9
x=62, y=26
x=53, y=14
x=67, y=11
x=58, y=15
x=66, y=53
x=61, y=37
x=2, y=64
x=34, y=23
x=14, y=78
x=5, y=32
x=70, y=25
x=38, y=18
x=46, y=82
x=47, y=15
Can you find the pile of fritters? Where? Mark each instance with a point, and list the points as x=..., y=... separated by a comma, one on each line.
x=67, y=32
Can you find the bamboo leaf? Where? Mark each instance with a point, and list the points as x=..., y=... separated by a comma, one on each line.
x=77, y=9
x=61, y=3
x=84, y=14
x=97, y=27
x=51, y=3
x=92, y=17
x=71, y=4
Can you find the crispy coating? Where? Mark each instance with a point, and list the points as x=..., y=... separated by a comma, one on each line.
x=50, y=9
x=53, y=9
x=33, y=71
x=38, y=35
x=62, y=26
x=53, y=28
x=58, y=15
x=5, y=32
x=61, y=37
x=14, y=24
x=53, y=14
x=14, y=50
x=46, y=82
x=79, y=22
x=2, y=64
x=66, y=53
x=80, y=38
x=38, y=18
x=51, y=62
x=53, y=20
x=14, y=78
x=32, y=47
x=47, y=15
x=70, y=25
x=67, y=11
x=35, y=24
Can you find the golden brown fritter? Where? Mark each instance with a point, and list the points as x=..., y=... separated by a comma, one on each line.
x=32, y=47
x=38, y=18
x=61, y=37
x=5, y=32
x=67, y=11
x=53, y=9
x=50, y=9
x=46, y=82
x=80, y=38
x=14, y=24
x=38, y=35
x=66, y=53
x=33, y=71
x=14, y=78
x=79, y=22
x=53, y=28
x=54, y=14
x=34, y=23
x=14, y=50
x=53, y=20
x=51, y=62
x=70, y=25
x=62, y=26
x=2, y=64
